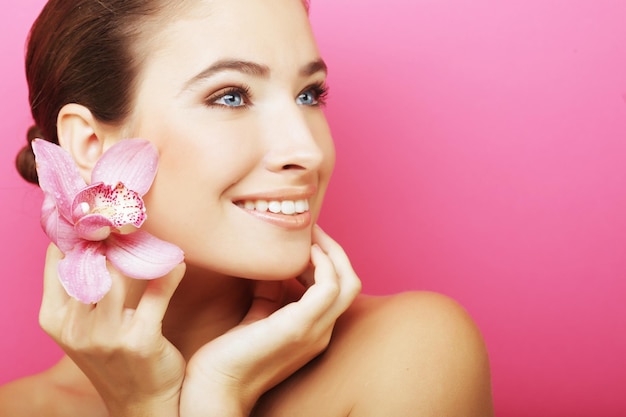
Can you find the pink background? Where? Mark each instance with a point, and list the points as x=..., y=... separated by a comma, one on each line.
x=481, y=154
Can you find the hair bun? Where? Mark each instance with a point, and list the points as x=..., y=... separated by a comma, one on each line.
x=33, y=133
x=25, y=160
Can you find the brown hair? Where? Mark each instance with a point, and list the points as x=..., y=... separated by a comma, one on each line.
x=86, y=52
x=83, y=51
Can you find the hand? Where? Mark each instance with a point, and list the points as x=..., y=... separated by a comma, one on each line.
x=228, y=375
x=119, y=347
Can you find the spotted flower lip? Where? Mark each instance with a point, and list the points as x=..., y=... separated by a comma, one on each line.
x=98, y=222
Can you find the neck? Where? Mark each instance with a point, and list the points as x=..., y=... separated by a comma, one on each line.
x=203, y=308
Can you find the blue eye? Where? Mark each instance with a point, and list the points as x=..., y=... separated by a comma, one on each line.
x=232, y=97
x=307, y=98
x=313, y=96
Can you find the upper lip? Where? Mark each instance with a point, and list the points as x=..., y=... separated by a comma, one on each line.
x=280, y=194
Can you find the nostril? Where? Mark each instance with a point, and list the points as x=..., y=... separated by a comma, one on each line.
x=292, y=166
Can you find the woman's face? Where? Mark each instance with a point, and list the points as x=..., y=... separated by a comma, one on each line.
x=230, y=94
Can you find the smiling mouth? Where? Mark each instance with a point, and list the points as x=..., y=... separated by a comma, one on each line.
x=287, y=207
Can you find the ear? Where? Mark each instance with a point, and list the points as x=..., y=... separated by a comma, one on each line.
x=78, y=134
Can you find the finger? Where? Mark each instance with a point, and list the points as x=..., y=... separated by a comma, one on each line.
x=322, y=294
x=110, y=309
x=349, y=281
x=333, y=249
x=157, y=295
x=54, y=295
x=54, y=301
x=78, y=323
x=312, y=316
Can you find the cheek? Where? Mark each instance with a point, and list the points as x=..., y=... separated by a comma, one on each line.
x=188, y=185
x=187, y=204
x=172, y=207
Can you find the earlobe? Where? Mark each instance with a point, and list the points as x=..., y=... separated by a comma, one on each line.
x=77, y=132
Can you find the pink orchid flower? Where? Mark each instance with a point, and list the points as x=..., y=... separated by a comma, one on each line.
x=94, y=223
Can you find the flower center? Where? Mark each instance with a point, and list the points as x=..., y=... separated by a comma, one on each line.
x=106, y=211
x=118, y=204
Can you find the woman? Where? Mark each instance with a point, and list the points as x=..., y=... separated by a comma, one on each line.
x=263, y=318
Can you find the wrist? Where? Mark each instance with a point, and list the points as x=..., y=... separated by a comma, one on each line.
x=202, y=397
x=149, y=407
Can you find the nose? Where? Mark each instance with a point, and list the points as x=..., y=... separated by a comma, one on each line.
x=292, y=143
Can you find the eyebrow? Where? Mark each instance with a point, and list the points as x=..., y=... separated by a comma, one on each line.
x=252, y=68
x=314, y=67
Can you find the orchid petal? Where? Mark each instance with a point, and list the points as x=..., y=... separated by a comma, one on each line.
x=49, y=206
x=58, y=175
x=59, y=230
x=119, y=204
x=83, y=273
x=140, y=255
x=50, y=218
x=94, y=227
x=132, y=162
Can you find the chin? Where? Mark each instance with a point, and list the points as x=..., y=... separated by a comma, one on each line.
x=279, y=263
x=278, y=268
x=277, y=258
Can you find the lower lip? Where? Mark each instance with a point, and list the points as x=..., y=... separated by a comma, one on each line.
x=290, y=222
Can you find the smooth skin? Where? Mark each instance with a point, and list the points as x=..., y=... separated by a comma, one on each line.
x=232, y=332
x=413, y=354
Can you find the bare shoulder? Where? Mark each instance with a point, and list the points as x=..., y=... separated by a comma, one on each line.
x=425, y=357
x=412, y=354
x=56, y=392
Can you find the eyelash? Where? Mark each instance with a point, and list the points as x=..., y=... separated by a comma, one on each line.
x=321, y=93
x=319, y=90
x=242, y=90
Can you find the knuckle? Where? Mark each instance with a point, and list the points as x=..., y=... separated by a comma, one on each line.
x=91, y=340
x=351, y=286
x=300, y=335
x=50, y=323
x=137, y=347
x=71, y=337
x=323, y=341
x=331, y=290
x=309, y=337
x=355, y=286
x=46, y=323
x=98, y=345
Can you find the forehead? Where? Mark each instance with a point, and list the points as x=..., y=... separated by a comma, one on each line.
x=275, y=33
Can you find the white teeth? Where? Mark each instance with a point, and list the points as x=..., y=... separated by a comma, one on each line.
x=288, y=207
x=275, y=207
x=261, y=205
x=302, y=206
